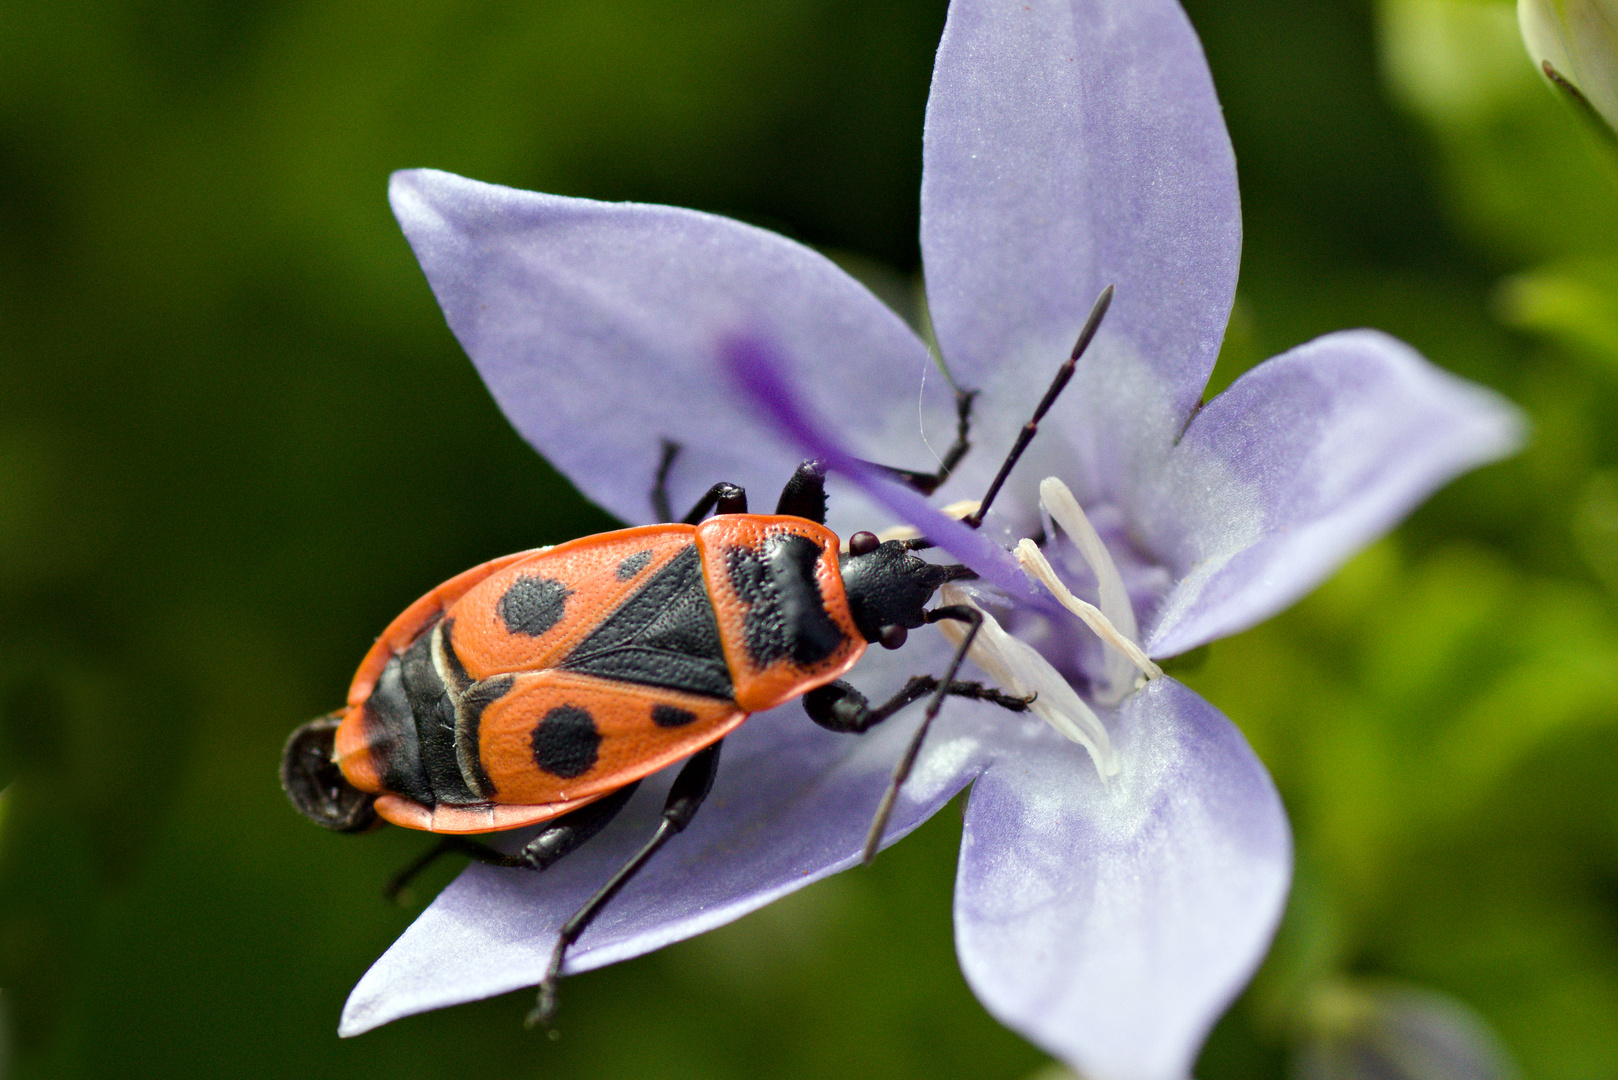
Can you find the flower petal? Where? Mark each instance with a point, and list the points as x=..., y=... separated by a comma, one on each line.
x=1112, y=923
x=1072, y=144
x=1303, y=460
x=595, y=325
x=791, y=805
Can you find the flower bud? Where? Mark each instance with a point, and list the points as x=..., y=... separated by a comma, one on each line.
x=1370, y=1032
x=1575, y=44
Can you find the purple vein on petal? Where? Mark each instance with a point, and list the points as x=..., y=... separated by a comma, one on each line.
x=759, y=374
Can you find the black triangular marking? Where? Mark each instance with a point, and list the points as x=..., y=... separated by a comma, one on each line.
x=665, y=634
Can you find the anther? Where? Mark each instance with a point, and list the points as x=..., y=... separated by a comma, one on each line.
x=960, y=511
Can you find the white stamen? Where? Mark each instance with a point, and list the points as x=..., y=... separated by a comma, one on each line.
x=1065, y=509
x=1033, y=560
x=1115, y=611
x=1019, y=669
x=956, y=510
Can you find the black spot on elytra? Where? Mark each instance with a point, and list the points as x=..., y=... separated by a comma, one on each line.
x=669, y=716
x=533, y=605
x=565, y=742
x=633, y=565
x=786, y=615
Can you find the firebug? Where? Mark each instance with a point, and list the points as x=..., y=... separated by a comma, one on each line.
x=541, y=687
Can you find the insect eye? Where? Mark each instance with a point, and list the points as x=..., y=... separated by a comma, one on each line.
x=893, y=636
x=863, y=543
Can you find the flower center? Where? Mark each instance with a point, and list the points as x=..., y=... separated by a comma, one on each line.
x=1020, y=669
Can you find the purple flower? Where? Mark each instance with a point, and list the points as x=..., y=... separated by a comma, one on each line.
x=1112, y=897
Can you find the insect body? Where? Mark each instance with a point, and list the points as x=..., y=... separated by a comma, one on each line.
x=539, y=683
x=540, y=688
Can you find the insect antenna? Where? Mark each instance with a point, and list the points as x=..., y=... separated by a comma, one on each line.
x=1064, y=374
x=1058, y=384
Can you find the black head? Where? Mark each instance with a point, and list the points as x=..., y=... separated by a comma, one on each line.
x=317, y=787
x=887, y=586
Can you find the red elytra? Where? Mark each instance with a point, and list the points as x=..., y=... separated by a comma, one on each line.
x=587, y=581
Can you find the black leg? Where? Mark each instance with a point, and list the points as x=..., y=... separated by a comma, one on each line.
x=570, y=830
x=727, y=498
x=929, y=482
x=722, y=499
x=1026, y=435
x=884, y=810
x=839, y=707
x=556, y=839
x=691, y=786
x=660, y=486
x=447, y=845
x=805, y=494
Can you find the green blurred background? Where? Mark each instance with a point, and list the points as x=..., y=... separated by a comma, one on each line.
x=236, y=438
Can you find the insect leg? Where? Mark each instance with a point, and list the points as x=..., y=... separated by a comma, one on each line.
x=728, y=498
x=570, y=830
x=1026, y=435
x=879, y=823
x=556, y=839
x=660, y=486
x=805, y=494
x=691, y=786
x=928, y=482
x=839, y=707
x=723, y=498
x=482, y=853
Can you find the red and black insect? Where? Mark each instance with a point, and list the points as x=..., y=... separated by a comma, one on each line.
x=540, y=688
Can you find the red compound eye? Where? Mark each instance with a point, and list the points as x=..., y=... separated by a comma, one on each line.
x=863, y=543
x=893, y=636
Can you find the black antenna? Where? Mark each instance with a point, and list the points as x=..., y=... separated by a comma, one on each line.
x=961, y=612
x=1058, y=384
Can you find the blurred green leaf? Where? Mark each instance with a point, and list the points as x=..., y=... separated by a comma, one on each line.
x=1573, y=304
x=1595, y=527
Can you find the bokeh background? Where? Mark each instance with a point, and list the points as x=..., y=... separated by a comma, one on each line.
x=236, y=438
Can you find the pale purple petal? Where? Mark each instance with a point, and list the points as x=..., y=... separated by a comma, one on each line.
x=1305, y=459
x=1072, y=144
x=1111, y=925
x=596, y=325
x=791, y=805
